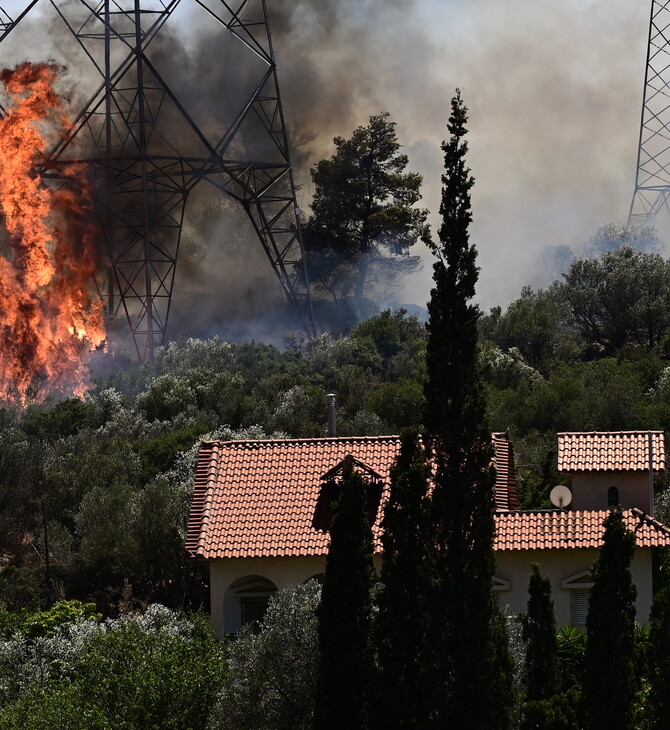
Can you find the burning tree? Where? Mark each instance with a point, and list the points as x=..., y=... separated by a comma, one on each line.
x=48, y=318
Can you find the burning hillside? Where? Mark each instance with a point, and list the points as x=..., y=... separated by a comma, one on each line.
x=48, y=318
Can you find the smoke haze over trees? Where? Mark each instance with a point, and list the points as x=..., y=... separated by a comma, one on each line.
x=566, y=153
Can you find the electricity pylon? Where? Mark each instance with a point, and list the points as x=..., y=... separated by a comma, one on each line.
x=652, y=181
x=147, y=133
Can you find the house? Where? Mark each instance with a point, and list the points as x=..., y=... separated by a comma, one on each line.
x=260, y=516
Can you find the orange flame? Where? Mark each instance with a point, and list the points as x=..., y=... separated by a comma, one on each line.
x=49, y=322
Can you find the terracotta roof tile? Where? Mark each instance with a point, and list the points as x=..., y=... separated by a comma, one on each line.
x=560, y=529
x=507, y=489
x=610, y=451
x=259, y=498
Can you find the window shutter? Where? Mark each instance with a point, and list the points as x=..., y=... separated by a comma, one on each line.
x=579, y=606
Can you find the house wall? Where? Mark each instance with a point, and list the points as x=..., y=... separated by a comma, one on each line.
x=514, y=566
x=589, y=490
x=511, y=565
x=223, y=572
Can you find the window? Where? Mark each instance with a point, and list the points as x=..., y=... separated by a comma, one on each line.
x=500, y=586
x=579, y=586
x=579, y=606
x=246, y=602
x=612, y=497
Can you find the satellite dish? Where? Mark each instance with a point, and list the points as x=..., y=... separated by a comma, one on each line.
x=560, y=496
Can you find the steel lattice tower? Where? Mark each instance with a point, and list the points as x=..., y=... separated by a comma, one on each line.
x=652, y=182
x=147, y=136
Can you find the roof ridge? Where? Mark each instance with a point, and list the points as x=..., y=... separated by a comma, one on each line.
x=306, y=439
x=649, y=519
x=210, y=486
x=609, y=433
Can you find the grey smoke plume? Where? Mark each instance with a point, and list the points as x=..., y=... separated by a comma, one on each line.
x=554, y=92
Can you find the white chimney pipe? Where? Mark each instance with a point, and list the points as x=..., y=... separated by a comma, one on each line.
x=651, y=474
x=332, y=424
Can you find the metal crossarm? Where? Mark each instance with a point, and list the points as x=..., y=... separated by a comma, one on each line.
x=145, y=143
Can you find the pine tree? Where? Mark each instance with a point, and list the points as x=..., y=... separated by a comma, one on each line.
x=658, y=660
x=539, y=632
x=400, y=638
x=609, y=678
x=472, y=664
x=364, y=217
x=345, y=665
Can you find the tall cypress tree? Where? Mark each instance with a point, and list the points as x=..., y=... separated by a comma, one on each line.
x=542, y=707
x=539, y=632
x=345, y=665
x=658, y=660
x=609, y=684
x=472, y=664
x=400, y=635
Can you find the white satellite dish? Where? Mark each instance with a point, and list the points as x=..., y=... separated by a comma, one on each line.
x=560, y=496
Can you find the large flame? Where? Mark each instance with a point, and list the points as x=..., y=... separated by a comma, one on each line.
x=49, y=322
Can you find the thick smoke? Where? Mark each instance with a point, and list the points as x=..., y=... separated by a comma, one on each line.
x=554, y=92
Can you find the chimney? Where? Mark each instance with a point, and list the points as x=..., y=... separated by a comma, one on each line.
x=332, y=424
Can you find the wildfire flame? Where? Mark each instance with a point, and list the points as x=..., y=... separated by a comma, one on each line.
x=49, y=322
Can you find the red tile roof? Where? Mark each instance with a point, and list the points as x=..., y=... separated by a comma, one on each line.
x=506, y=489
x=610, y=451
x=560, y=529
x=259, y=498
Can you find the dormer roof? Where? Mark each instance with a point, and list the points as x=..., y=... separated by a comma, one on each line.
x=607, y=451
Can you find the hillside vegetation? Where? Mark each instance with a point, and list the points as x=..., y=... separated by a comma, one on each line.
x=94, y=493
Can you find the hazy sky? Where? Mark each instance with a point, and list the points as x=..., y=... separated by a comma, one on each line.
x=554, y=90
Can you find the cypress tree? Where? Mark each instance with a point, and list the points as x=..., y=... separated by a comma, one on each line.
x=539, y=632
x=472, y=666
x=399, y=631
x=345, y=665
x=609, y=684
x=658, y=661
x=541, y=708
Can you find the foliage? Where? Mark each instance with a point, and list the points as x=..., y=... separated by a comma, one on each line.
x=609, y=673
x=622, y=297
x=345, y=664
x=363, y=220
x=44, y=623
x=274, y=670
x=532, y=326
x=658, y=661
x=539, y=629
x=612, y=237
x=472, y=668
x=18, y=590
x=571, y=650
x=559, y=712
x=402, y=657
x=155, y=670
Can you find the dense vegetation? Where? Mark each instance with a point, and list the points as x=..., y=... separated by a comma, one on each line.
x=127, y=449
x=96, y=592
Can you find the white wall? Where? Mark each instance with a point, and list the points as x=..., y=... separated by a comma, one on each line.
x=514, y=566
x=223, y=572
x=511, y=565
